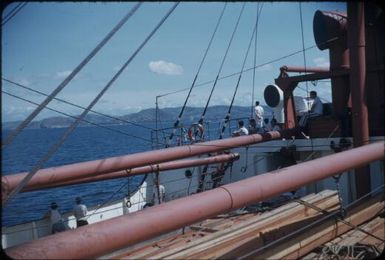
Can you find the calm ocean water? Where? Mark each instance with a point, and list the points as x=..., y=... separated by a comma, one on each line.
x=84, y=144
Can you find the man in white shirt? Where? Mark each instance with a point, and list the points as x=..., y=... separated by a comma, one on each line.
x=316, y=108
x=80, y=212
x=57, y=224
x=258, y=113
x=242, y=130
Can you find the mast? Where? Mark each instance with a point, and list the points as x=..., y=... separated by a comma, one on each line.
x=357, y=77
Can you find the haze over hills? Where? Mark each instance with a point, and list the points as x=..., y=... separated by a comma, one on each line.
x=167, y=116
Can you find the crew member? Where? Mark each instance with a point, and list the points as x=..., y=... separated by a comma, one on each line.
x=80, y=212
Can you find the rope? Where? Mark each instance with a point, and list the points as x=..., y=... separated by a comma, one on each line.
x=202, y=177
x=24, y=124
x=337, y=182
x=162, y=130
x=13, y=10
x=96, y=112
x=338, y=218
x=96, y=209
x=108, y=200
x=221, y=66
x=252, y=68
x=227, y=118
x=128, y=202
x=56, y=146
x=313, y=224
x=176, y=124
x=157, y=183
x=304, y=54
x=259, y=10
x=78, y=106
x=244, y=168
x=303, y=46
x=12, y=13
x=74, y=117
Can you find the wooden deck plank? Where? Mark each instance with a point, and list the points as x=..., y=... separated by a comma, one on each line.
x=280, y=216
x=353, y=237
x=213, y=230
x=327, y=231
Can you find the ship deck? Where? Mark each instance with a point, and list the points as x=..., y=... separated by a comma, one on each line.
x=267, y=232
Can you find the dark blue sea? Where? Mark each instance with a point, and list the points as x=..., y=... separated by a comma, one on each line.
x=84, y=144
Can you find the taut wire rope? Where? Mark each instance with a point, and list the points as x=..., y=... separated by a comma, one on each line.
x=24, y=124
x=176, y=124
x=227, y=117
x=221, y=66
x=259, y=10
x=56, y=146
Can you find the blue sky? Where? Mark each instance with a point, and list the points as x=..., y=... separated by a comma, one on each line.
x=45, y=41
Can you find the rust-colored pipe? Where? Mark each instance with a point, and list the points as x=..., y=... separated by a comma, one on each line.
x=303, y=69
x=97, y=167
x=356, y=37
x=15, y=179
x=330, y=32
x=101, y=238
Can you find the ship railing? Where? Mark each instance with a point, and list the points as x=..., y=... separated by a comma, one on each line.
x=212, y=129
x=25, y=232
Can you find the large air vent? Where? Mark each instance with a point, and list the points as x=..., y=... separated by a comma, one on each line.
x=329, y=28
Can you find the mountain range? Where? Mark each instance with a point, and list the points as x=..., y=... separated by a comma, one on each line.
x=167, y=116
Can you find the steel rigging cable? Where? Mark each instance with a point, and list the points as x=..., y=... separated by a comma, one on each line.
x=268, y=62
x=28, y=120
x=75, y=117
x=313, y=224
x=220, y=68
x=12, y=13
x=259, y=10
x=227, y=117
x=75, y=105
x=252, y=68
x=176, y=124
x=56, y=146
x=303, y=46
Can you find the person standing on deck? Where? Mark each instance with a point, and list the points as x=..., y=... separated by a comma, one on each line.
x=258, y=113
x=57, y=224
x=80, y=212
